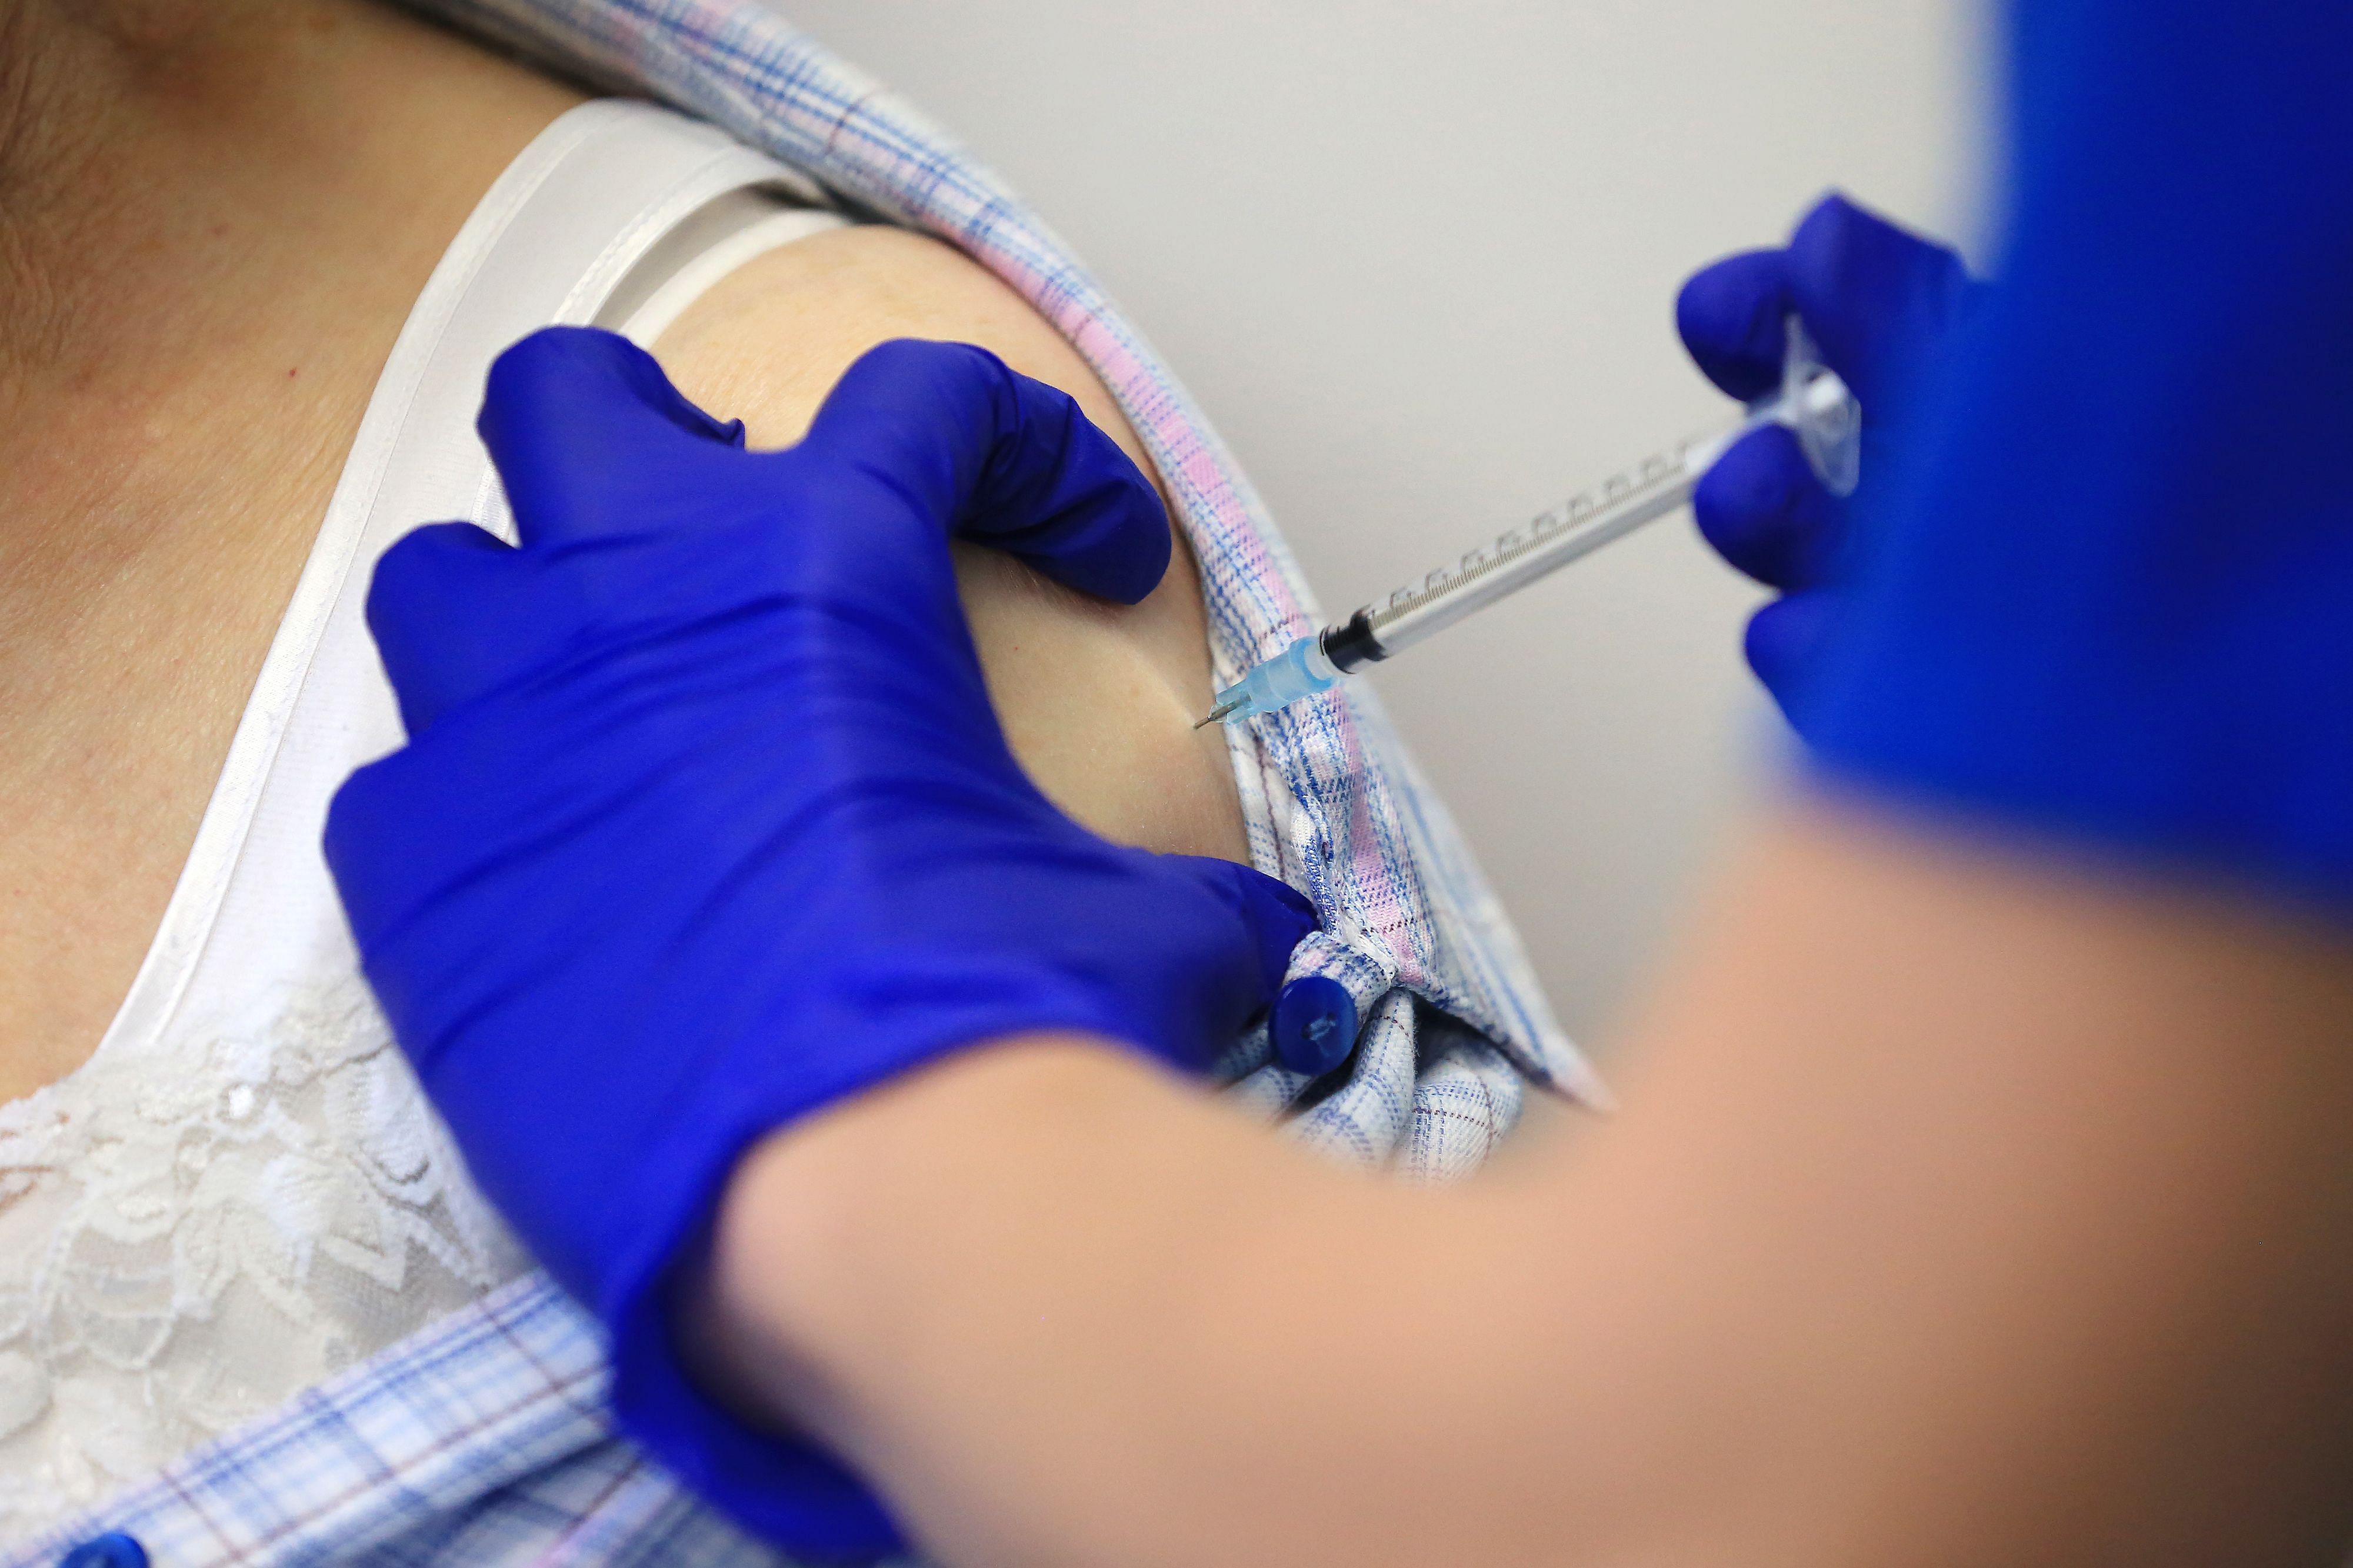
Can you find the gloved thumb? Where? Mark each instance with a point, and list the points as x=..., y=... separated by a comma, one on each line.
x=1879, y=303
x=1222, y=948
x=1273, y=917
x=590, y=435
x=996, y=458
x=1730, y=314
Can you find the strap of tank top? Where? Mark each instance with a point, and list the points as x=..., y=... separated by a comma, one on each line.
x=617, y=214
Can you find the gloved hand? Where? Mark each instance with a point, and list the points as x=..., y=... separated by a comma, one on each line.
x=2111, y=602
x=1882, y=308
x=705, y=820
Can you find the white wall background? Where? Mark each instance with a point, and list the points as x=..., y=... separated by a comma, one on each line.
x=1417, y=261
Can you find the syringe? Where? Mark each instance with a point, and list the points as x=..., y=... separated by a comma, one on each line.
x=1811, y=401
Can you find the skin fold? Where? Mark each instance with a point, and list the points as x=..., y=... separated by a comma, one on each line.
x=214, y=218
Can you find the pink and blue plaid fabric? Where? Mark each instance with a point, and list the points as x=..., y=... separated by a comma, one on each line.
x=483, y=1440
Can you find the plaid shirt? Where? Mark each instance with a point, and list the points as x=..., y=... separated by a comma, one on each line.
x=484, y=1438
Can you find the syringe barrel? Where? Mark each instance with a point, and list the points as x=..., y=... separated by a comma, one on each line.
x=1811, y=401
x=1512, y=560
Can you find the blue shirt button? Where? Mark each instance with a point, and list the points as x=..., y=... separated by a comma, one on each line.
x=1314, y=1025
x=112, y=1550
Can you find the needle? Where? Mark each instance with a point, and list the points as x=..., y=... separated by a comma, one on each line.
x=1220, y=711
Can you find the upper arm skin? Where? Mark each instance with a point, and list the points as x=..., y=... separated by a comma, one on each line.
x=1097, y=699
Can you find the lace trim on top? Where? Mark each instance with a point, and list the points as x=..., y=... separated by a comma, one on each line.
x=244, y=1191
x=192, y=1233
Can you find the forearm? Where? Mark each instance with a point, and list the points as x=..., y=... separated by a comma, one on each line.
x=1964, y=1210
x=1078, y=1312
x=2022, y=1190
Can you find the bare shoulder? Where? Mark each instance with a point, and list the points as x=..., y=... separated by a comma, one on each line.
x=1097, y=699
x=773, y=337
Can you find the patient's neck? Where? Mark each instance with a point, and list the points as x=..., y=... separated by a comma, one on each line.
x=214, y=213
x=173, y=171
x=214, y=217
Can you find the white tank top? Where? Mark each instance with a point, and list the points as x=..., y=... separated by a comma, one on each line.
x=242, y=1190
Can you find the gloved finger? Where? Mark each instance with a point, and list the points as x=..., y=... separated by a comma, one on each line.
x=590, y=435
x=1271, y=919
x=442, y=607
x=1785, y=640
x=1730, y=316
x=1279, y=918
x=1872, y=295
x=1000, y=460
x=1761, y=507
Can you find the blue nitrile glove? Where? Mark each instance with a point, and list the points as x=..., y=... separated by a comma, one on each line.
x=1882, y=308
x=2115, y=601
x=705, y=820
